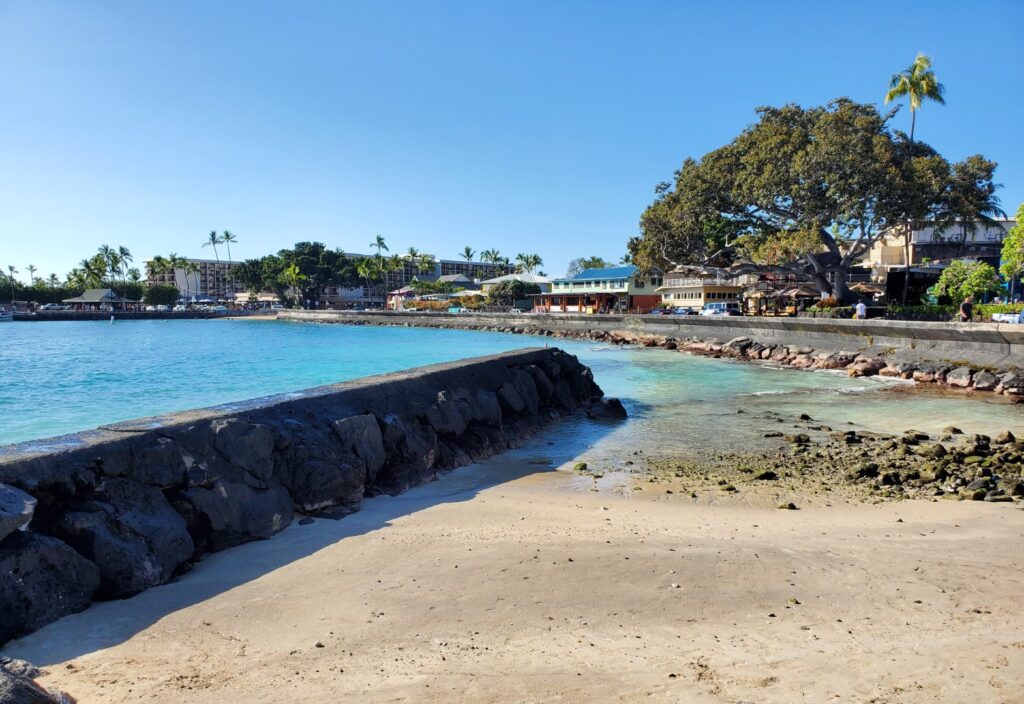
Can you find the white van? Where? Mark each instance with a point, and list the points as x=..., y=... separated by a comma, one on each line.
x=721, y=308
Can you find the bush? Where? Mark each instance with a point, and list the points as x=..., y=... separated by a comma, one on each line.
x=929, y=311
x=986, y=310
x=160, y=295
x=508, y=292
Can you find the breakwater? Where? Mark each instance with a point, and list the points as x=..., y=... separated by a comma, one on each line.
x=981, y=356
x=110, y=512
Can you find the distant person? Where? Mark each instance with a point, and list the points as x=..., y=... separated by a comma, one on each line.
x=967, y=309
x=861, y=310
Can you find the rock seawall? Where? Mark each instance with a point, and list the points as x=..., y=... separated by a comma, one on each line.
x=110, y=512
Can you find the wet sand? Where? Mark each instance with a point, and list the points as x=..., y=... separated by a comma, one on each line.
x=508, y=582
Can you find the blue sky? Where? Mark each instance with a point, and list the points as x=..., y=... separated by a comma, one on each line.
x=524, y=126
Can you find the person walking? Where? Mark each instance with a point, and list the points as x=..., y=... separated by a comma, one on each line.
x=967, y=309
x=861, y=310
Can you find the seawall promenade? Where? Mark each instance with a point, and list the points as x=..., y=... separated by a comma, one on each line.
x=987, y=344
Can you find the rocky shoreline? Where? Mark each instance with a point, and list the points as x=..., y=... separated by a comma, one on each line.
x=954, y=374
x=815, y=460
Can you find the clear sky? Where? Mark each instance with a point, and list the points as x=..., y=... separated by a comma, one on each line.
x=523, y=126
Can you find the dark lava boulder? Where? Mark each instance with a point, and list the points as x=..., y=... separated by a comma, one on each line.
x=131, y=533
x=232, y=513
x=41, y=579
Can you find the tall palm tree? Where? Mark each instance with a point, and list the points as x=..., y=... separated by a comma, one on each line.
x=212, y=240
x=380, y=245
x=11, y=271
x=32, y=274
x=918, y=83
x=126, y=258
x=53, y=281
x=467, y=253
x=228, y=238
x=491, y=256
x=412, y=253
x=134, y=276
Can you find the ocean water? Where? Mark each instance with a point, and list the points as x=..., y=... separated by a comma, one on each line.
x=61, y=377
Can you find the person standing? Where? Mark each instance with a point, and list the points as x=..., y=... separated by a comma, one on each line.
x=967, y=309
x=861, y=310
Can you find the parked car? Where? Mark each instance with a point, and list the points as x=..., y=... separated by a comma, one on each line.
x=721, y=308
x=276, y=306
x=51, y=306
x=662, y=311
x=219, y=309
x=457, y=309
x=684, y=310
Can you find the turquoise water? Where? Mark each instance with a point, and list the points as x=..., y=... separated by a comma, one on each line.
x=61, y=377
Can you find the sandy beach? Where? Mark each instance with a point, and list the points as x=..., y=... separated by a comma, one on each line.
x=509, y=582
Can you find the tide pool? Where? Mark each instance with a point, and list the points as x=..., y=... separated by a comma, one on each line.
x=61, y=377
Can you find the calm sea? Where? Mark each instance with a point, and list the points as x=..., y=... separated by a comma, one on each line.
x=60, y=377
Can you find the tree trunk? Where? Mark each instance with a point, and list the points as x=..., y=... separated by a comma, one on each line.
x=906, y=264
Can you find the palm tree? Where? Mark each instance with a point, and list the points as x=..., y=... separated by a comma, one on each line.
x=393, y=265
x=425, y=263
x=53, y=281
x=228, y=238
x=126, y=258
x=917, y=82
x=379, y=245
x=293, y=278
x=491, y=256
x=94, y=271
x=467, y=253
x=212, y=240
x=368, y=270
x=75, y=278
x=11, y=271
x=412, y=253
x=190, y=269
x=134, y=276
x=32, y=274
x=526, y=263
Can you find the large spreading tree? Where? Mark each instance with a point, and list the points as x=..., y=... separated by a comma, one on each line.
x=803, y=190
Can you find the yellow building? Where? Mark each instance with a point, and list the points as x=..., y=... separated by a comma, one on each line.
x=692, y=289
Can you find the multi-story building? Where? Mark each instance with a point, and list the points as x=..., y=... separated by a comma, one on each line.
x=209, y=279
x=618, y=289
x=692, y=289
x=929, y=244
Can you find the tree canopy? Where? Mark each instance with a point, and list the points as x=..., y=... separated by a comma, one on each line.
x=806, y=190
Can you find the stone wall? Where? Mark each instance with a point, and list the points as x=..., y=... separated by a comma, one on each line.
x=109, y=512
x=980, y=343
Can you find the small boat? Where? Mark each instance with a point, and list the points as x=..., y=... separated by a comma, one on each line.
x=6, y=315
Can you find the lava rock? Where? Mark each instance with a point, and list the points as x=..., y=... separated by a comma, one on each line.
x=16, y=509
x=361, y=436
x=43, y=580
x=131, y=533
